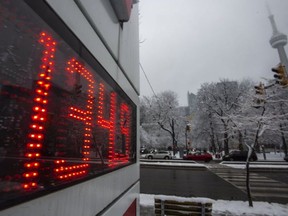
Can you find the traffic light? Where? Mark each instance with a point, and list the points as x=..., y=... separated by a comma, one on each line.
x=260, y=99
x=260, y=89
x=281, y=76
x=188, y=127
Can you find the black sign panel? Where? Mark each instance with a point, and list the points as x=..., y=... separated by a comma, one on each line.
x=62, y=118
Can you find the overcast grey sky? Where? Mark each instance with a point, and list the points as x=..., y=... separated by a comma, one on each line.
x=185, y=43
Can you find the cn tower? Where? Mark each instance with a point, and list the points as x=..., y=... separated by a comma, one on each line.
x=278, y=41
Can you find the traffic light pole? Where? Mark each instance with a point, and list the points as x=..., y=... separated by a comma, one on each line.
x=186, y=142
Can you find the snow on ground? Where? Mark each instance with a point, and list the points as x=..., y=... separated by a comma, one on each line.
x=243, y=166
x=224, y=207
x=173, y=164
x=272, y=156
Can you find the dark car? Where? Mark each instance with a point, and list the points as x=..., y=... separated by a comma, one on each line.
x=286, y=158
x=237, y=155
x=198, y=156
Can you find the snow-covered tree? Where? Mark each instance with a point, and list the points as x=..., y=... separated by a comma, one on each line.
x=218, y=101
x=259, y=113
x=162, y=110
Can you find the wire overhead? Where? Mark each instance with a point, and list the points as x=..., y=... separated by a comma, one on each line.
x=147, y=80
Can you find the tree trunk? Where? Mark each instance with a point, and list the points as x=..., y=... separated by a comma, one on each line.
x=172, y=134
x=283, y=140
x=240, y=141
x=219, y=144
x=256, y=144
x=226, y=141
x=248, y=184
x=173, y=137
x=212, y=137
x=264, y=153
x=226, y=148
x=282, y=132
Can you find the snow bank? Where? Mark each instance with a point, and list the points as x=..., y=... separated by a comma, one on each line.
x=184, y=199
x=226, y=207
x=147, y=199
x=173, y=164
x=272, y=156
x=243, y=166
x=242, y=208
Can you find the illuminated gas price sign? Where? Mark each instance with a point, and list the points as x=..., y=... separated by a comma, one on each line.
x=90, y=114
x=61, y=120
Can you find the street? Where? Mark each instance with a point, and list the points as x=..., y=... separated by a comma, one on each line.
x=216, y=182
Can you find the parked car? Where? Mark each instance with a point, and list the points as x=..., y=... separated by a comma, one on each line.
x=198, y=156
x=237, y=155
x=159, y=155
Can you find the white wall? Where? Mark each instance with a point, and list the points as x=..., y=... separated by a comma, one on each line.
x=96, y=25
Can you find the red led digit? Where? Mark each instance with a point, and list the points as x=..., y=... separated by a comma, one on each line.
x=125, y=125
x=38, y=116
x=62, y=170
x=84, y=115
x=108, y=124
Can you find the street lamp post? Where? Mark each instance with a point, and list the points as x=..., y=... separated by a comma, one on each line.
x=188, y=128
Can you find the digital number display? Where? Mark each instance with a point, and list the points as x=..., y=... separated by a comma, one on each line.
x=61, y=120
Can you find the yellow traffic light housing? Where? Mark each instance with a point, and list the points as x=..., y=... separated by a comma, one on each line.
x=281, y=76
x=260, y=99
x=260, y=89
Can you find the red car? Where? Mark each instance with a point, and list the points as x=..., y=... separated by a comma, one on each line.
x=198, y=156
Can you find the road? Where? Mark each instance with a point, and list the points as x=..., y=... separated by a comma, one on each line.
x=216, y=182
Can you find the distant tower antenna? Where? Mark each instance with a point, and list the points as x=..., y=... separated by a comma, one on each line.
x=268, y=8
x=278, y=39
x=272, y=20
